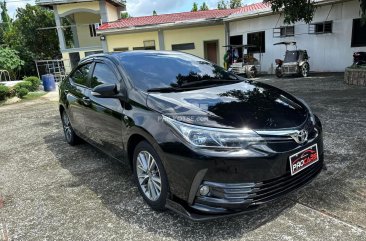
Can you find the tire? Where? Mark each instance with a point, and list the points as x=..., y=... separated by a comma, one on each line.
x=148, y=179
x=305, y=70
x=279, y=72
x=252, y=73
x=70, y=136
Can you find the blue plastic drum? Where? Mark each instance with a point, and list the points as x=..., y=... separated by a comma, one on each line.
x=49, y=83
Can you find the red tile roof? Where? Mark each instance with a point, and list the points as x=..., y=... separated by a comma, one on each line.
x=252, y=7
x=180, y=17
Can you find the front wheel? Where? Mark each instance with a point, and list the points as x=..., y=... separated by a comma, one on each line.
x=69, y=133
x=305, y=70
x=252, y=73
x=150, y=176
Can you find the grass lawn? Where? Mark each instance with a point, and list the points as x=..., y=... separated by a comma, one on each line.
x=34, y=95
x=28, y=97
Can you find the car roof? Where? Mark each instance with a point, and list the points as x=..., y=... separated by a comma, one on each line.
x=135, y=53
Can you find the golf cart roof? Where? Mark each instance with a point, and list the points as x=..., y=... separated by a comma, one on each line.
x=239, y=46
x=285, y=43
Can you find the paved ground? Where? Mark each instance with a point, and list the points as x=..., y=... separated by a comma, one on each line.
x=51, y=191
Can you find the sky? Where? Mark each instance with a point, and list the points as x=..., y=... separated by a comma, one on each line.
x=141, y=7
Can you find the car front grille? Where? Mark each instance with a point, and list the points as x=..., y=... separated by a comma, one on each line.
x=289, y=69
x=283, y=143
x=242, y=195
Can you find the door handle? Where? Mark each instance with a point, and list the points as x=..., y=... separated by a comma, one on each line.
x=86, y=101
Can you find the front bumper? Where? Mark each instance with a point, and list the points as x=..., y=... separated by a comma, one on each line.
x=231, y=197
x=290, y=68
x=237, y=184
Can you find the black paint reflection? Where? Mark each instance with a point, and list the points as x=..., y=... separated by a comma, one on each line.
x=258, y=108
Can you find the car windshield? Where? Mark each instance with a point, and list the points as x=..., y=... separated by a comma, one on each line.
x=291, y=56
x=173, y=70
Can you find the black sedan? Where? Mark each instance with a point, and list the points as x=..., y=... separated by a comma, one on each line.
x=200, y=140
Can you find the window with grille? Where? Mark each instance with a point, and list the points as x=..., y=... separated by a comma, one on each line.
x=284, y=31
x=320, y=28
x=93, y=29
x=120, y=49
x=187, y=46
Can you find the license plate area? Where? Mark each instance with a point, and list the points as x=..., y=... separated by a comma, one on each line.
x=303, y=159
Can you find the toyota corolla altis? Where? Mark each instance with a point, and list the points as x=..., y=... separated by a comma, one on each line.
x=200, y=140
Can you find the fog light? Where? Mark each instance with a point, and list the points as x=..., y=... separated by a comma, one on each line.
x=204, y=190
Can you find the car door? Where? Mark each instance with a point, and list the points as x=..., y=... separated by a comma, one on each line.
x=76, y=97
x=104, y=116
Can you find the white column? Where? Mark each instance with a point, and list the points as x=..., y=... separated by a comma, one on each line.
x=60, y=32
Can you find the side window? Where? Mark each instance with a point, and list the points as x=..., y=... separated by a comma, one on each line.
x=80, y=76
x=103, y=75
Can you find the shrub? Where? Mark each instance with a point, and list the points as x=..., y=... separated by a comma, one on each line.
x=25, y=84
x=12, y=93
x=4, y=92
x=22, y=92
x=35, y=82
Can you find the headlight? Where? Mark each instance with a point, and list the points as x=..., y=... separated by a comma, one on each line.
x=206, y=137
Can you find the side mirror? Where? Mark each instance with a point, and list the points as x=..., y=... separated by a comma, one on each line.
x=106, y=91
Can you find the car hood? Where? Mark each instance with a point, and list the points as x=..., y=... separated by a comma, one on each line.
x=247, y=104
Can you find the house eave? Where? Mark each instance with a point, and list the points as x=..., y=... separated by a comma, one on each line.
x=156, y=27
x=268, y=11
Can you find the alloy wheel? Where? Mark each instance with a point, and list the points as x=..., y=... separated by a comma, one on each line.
x=148, y=175
x=67, y=127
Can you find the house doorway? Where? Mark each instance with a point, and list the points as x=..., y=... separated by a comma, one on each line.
x=211, y=50
x=237, y=40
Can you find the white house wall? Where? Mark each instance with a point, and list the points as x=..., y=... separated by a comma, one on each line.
x=328, y=52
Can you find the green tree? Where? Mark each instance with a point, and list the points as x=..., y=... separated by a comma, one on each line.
x=235, y=3
x=294, y=10
x=6, y=21
x=204, y=7
x=222, y=5
x=302, y=10
x=125, y=15
x=10, y=60
x=33, y=35
x=195, y=7
x=155, y=13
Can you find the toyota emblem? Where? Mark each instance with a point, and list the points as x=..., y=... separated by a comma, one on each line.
x=301, y=136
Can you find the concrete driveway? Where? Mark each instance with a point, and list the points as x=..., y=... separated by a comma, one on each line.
x=51, y=191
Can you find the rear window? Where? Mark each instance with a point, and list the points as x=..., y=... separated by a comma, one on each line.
x=160, y=70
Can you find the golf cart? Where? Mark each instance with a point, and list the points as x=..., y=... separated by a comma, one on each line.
x=246, y=65
x=295, y=62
